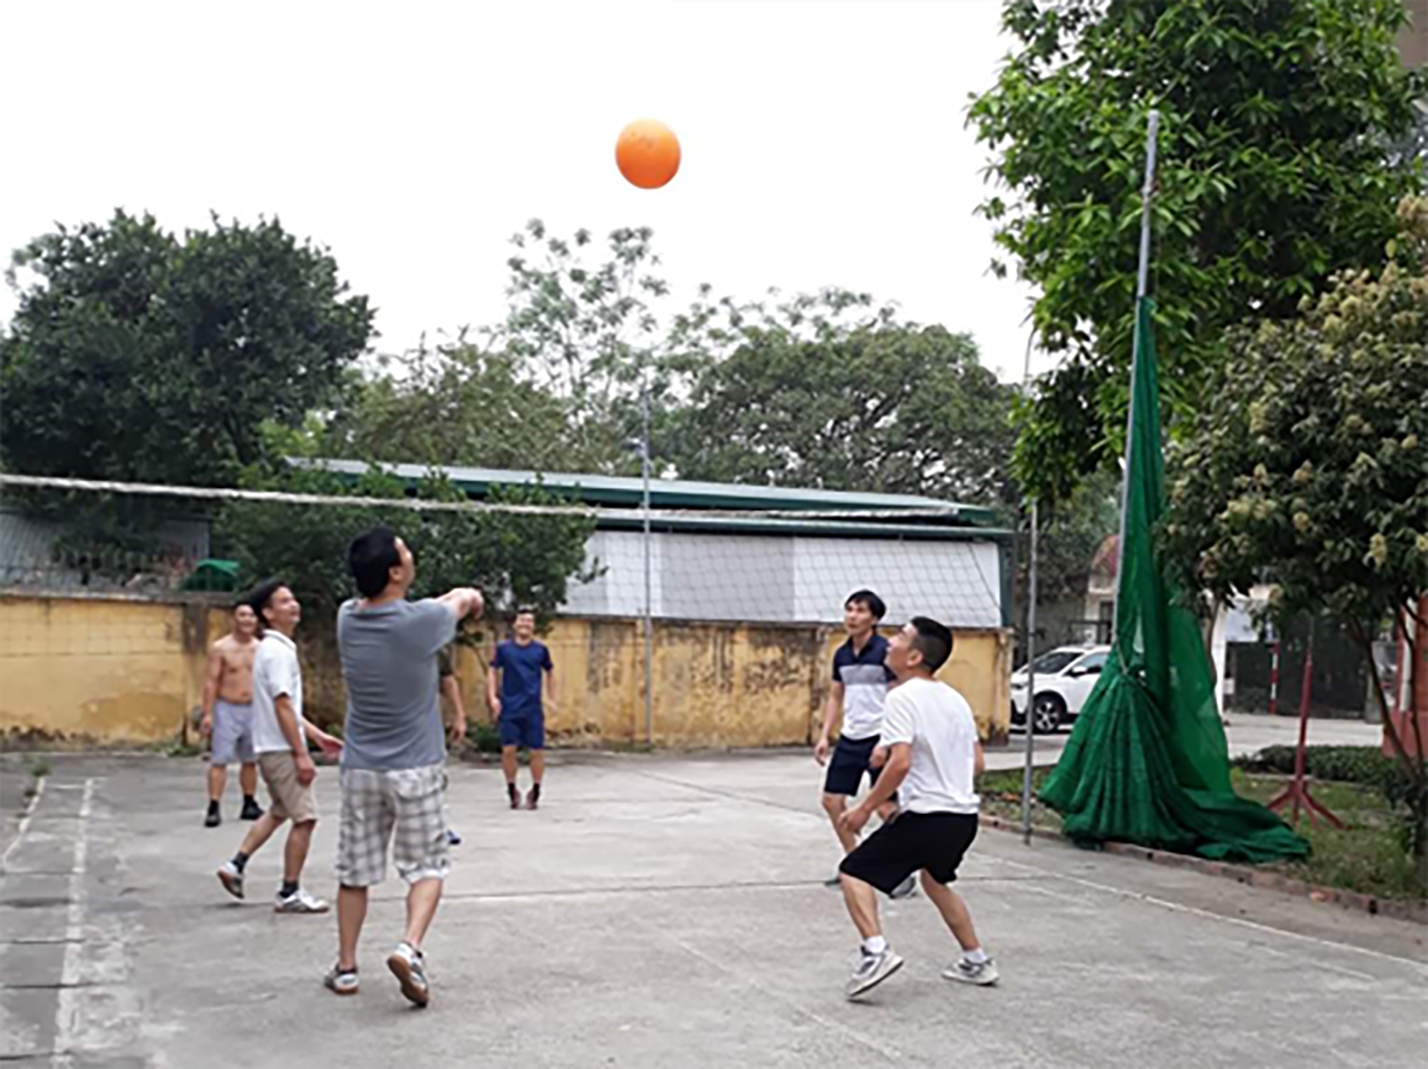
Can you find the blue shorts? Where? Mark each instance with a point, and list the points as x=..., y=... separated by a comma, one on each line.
x=851, y=759
x=527, y=730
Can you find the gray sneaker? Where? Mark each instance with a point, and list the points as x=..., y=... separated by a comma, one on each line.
x=298, y=902
x=341, y=981
x=409, y=967
x=906, y=889
x=981, y=973
x=872, y=970
x=231, y=877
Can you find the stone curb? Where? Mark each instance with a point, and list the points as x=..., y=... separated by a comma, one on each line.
x=1250, y=877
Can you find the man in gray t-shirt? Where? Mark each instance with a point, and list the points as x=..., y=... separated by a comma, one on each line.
x=389, y=664
x=393, y=774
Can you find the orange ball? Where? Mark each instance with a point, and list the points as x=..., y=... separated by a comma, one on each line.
x=647, y=153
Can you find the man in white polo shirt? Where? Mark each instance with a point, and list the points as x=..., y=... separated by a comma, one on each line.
x=933, y=756
x=280, y=737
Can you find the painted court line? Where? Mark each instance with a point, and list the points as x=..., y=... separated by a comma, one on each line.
x=67, y=1009
x=1316, y=964
x=24, y=825
x=1197, y=912
x=883, y=1050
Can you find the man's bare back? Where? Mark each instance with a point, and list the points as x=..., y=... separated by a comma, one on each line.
x=234, y=656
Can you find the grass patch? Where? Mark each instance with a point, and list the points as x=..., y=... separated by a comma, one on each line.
x=1369, y=856
x=39, y=767
x=483, y=736
x=180, y=747
x=1001, y=797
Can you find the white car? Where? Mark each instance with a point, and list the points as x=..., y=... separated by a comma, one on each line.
x=1064, y=678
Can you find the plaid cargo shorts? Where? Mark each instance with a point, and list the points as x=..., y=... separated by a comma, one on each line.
x=406, y=808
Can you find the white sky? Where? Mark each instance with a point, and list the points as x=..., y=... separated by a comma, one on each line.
x=823, y=139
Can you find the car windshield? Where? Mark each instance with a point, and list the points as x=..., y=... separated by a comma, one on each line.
x=1054, y=661
x=1092, y=662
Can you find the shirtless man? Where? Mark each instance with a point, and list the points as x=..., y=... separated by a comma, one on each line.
x=228, y=714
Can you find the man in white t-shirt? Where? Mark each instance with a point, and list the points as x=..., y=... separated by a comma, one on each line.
x=856, y=697
x=280, y=737
x=933, y=756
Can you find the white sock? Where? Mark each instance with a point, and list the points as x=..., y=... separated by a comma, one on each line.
x=976, y=957
x=875, y=944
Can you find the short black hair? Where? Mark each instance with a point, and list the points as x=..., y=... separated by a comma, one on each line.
x=262, y=596
x=371, y=558
x=934, y=641
x=526, y=610
x=871, y=601
x=246, y=601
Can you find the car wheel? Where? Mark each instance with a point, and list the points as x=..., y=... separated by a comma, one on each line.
x=1047, y=712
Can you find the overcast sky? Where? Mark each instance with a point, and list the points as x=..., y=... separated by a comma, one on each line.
x=823, y=139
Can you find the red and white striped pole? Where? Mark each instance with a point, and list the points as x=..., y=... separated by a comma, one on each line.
x=1274, y=678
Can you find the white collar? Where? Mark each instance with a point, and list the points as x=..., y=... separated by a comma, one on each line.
x=289, y=643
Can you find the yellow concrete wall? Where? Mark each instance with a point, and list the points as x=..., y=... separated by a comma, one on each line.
x=119, y=670
x=107, y=670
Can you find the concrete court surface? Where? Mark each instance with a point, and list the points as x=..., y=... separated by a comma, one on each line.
x=658, y=911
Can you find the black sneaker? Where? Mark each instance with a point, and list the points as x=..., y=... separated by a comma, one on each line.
x=452, y=839
x=251, y=809
x=533, y=799
x=514, y=794
x=214, y=817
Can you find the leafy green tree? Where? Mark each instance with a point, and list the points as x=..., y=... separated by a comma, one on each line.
x=514, y=558
x=457, y=404
x=1073, y=528
x=587, y=332
x=1277, y=167
x=136, y=354
x=869, y=406
x=1308, y=468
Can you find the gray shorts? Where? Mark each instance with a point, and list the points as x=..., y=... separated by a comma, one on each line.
x=232, y=734
x=406, y=809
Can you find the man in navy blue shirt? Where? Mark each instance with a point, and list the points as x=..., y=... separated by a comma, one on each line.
x=513, y=688
x=856, y=698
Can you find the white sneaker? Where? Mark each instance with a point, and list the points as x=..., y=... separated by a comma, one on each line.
x=341, y=981
x=906, y=889
x=409, y=967
x=298, y=902
x=981, y=973
x=872, y=970
x=231, y=878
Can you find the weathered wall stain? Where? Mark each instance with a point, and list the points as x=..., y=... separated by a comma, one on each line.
x=126, y=670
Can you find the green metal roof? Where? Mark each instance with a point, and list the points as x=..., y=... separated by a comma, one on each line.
x=684, y=494
x=883, y=530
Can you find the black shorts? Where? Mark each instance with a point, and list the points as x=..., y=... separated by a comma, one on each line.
x=851, y=758
x=935, y=842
